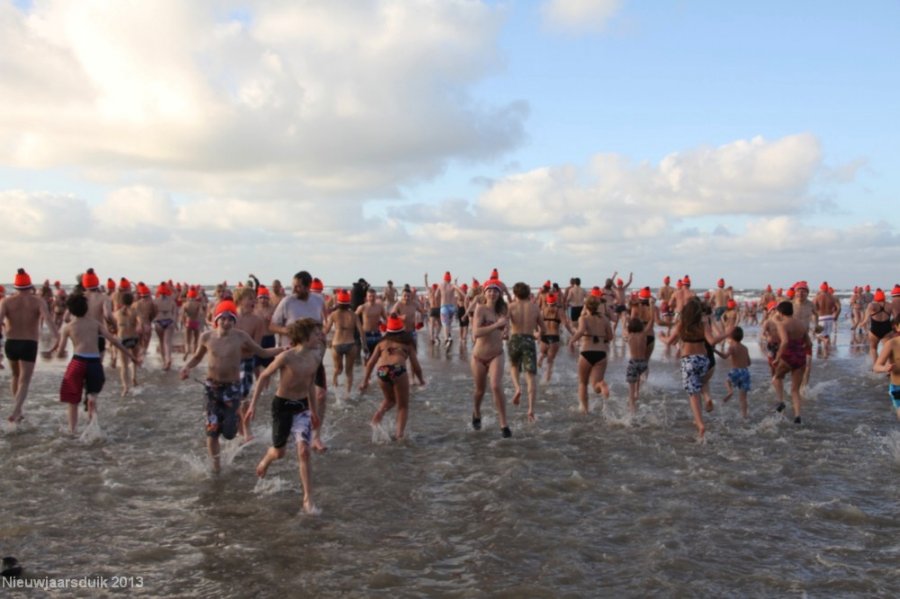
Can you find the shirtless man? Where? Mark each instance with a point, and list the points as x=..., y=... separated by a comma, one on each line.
x=59, y=306
x=166, y=317
x=372, y=315
x=291, y=413
x=682, y=294
x=146, y=310
x=827, y=310
x=264, y=309
x=21, y=314
x=389, y=297
x=524, y=320
x=192, y=319
x=720, y=300
x=805, y=313
x=223, y=375
x=574, y=298
x=620, y=302
x=277, y=291
x=304, y=302
x=249, y=322
x=407, y=309
x=448, y=297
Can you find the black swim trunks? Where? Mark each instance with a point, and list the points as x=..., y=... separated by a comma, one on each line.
x=21, y=349
x=283, y=419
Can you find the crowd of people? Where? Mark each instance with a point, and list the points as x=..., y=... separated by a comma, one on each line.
x=252, y=332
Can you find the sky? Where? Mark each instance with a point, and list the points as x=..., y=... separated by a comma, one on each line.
x=757, y=141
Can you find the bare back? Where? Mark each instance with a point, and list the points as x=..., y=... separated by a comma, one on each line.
x=22, y=314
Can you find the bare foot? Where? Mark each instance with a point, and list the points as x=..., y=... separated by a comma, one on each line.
x=517, y=397
x=309, y=507
x=709, y=405
x=318, y=446
x=701, y=430
x=262, y=468
x=530, y=416
x=727, y=397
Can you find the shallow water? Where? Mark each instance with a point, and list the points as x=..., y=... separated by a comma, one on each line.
x=571, y=506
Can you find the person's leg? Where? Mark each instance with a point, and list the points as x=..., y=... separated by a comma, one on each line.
x=26, y=371
x=796, y=382
x=272, y=454
x=479, y=377
x=496, y=378
x=584, y=372
x=401, y=387
x=389, y=401
x=305, y=477
x=212, y=447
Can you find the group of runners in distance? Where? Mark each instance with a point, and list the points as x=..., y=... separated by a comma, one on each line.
x=252, y=333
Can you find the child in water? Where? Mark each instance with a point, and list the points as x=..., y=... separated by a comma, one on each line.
x=85, y=371
x=638, y=350
x=739, y=375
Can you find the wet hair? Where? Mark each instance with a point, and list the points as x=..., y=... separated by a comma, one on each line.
x=737, y=334
x=77, y=305
x=300, y=330
x=635, y=325
x=591, y=304
x=522, y=291
x=127, y=298
x=692, y=319
x=786, y=308
x=304, y=277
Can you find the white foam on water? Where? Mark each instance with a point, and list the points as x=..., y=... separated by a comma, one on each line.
x=271, y=485
x=229, y=450
x=92, y=433
x=892, y=445
x=381, y=433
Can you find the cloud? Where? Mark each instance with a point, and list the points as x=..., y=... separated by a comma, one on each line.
x=615, y=198
x=313, y=98
x=43, y=217
x=579, y=16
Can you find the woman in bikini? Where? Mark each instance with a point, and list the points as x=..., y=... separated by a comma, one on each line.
x=488, y=322
x=347, y=330
x=128, y=327
x=595, y=332
x=555, y=318
x=879, y=318
x=695, y=334
x=794, y=345
x=165, y=322
x=388, y=360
